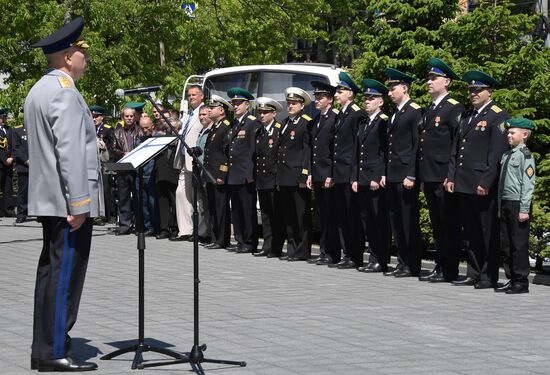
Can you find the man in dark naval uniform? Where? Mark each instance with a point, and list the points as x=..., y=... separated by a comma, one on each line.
x=21, y=159
x=293, y=160
x=216, y=162
x=240, y=177
x=320, y=178
x=6, y=164
x=473, y=176
x=267, y=143
x=347, y=210
x=437, y=136
x=63, y=193
x=401, y=186
x=369, y=169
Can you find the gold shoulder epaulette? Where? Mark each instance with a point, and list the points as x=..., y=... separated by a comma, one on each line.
x=452, y=101
x=107, y=126
x=250, y=117
x=384, y=117
x=335, y=110
x=415, y=106
x=65, y=82
x=226, y=122
x=18, y=127
x=496, y=109
x=277, y=125
x=306, y=117
x=355, y=107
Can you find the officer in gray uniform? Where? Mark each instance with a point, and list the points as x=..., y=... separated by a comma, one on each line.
x=63, y=193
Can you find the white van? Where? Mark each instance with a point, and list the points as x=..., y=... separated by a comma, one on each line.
x=265, y=80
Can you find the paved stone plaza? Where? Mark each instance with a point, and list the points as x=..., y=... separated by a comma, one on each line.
x=280, y=317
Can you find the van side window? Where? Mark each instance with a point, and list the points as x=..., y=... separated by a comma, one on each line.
x=220, y=84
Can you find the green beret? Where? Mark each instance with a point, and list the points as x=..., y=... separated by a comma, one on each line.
x=476, y=78
x=374, y=88
x=519, y=122
x=396, y=76
x=97, y=109
x=347, y=83
x=439, y=68
x=138, y=106
x=237, y=93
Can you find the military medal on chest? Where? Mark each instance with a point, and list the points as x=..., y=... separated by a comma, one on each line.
x=292, y=133
x=481, y=125
x=270, y=142
x=437, y=121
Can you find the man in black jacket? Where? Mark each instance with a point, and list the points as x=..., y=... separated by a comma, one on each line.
x=401, y=186
x=267, y=143
x=320, y=178
x=293, y=161
x=6, y=164
x=473, y=176
x=21, y=160
x=347, y=212
x=369, y=169
x=240, y=177
x=216, y=163
x=437, y=135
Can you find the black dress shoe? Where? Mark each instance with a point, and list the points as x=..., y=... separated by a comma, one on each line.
x=375, y=268
x=295, y=259
x=284, y=257
x=404, y=272
x=184, y=237
x=343, y=261
x=348, y=264
x=162, y=236
x=20, y=220
x=442, y=278
x=518, y=288
x=262, y=253
x=149, y=233
x=469, y=281
x=271, y=255
x=65, y=364
x=484, y=284
x=242, y=250
x=232, y=247
x=324, y=261
x=430, y=276
x=504, y=288
x=392, y=273
x=123, y=232
x=34, y=363
x=204, y=240
x=214, y=246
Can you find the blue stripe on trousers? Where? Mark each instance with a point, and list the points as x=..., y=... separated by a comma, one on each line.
x=69, y=240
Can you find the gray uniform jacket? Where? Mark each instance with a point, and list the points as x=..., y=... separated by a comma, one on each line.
x=63, y=156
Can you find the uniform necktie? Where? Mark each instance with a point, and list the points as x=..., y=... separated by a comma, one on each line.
x=286, y=125
x=474, y=115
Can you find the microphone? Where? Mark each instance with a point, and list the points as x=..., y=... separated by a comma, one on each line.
x=120, y=93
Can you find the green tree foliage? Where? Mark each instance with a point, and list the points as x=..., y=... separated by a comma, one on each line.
x=126, y=36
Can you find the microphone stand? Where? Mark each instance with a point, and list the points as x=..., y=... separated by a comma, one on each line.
x=196, y=355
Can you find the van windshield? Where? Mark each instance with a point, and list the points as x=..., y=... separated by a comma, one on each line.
x=219, y=85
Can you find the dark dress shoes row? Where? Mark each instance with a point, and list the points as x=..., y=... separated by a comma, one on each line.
x=214, y=246
x=403, y=271
x=162, y=236
x=185, y=237
x=67, y=364
x=468, y=281
x=263, y=253
x=345, y=263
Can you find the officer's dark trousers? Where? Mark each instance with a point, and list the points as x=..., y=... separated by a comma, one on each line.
x=6, y=174
x=110, y=210
x=22, y=194
x=479, y=218
x=166, y=200
x=127, y=202
x=514, y=242
x=325, y=204
x=272, y=222
x=443, y=210
x=59, y=281
x=349, y=223
x=404, y=218
x=243, y=215
x=218, y=206
x=296, y=203
x=376, y=224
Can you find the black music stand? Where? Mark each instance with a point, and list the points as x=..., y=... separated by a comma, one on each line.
x=134, y=162
x=196, y=355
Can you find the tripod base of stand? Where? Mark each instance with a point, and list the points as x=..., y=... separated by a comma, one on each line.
x=139, y=349
x=195, y=358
